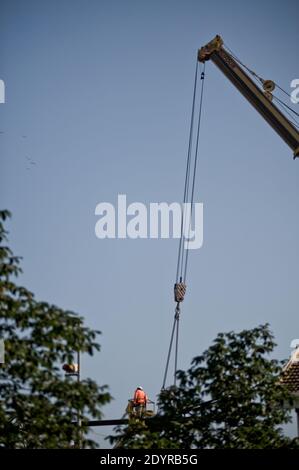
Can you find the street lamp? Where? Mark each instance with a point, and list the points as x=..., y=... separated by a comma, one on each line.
x=74, y=370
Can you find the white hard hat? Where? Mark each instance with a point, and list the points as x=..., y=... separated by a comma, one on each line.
x=140, y=388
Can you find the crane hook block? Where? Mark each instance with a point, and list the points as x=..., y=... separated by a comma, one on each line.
x=179, y=291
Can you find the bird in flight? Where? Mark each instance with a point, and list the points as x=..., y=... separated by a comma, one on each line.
x=30, y=162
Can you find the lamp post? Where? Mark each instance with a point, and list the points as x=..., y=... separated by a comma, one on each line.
x=75, y=370
x=78, y=415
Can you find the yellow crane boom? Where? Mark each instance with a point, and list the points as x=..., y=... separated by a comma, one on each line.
x=260, y=99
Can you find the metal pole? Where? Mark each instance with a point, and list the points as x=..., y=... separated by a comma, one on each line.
x=78, y=416
x=78, y=362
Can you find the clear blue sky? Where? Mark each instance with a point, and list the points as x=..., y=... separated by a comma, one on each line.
x=98, y=94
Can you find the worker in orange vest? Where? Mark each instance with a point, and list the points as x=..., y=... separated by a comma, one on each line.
x=140, y=400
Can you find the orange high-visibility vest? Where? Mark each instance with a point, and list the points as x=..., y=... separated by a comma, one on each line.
x=140, y=397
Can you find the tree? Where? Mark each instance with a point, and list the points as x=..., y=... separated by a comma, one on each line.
x=230, y=397
x=38, y=404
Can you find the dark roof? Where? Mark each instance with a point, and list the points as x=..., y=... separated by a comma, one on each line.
x=290, y=376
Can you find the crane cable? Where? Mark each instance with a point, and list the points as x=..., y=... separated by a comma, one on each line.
x=283, y=105
x=182, y=262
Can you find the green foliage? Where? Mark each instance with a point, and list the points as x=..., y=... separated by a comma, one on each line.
x=38, y=404
x=230, y=397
